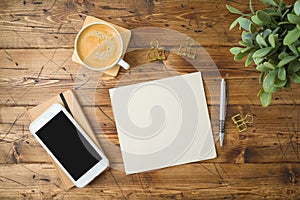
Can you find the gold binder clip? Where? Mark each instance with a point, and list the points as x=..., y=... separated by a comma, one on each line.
x=157, y=53
x=187, y=50
x=241, y=122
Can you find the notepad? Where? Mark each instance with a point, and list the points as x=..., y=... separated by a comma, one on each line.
x=70, y=102
x=163, y=123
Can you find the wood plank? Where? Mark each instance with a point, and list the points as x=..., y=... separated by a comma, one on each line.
x=217, y=181
x=54, y=23
x=57, y=64
x=268, y=140
x=26, y=80
x=46, y=24
x=28, y=92
x=46, y=62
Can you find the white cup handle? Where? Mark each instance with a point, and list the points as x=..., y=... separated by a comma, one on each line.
x=124, y=64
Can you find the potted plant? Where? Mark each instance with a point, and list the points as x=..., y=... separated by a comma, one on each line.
x=270, y=39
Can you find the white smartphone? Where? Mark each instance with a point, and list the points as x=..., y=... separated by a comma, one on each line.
x=69, y=145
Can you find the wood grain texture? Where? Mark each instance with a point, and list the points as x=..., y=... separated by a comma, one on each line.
x=36, y=46
x=207, y=180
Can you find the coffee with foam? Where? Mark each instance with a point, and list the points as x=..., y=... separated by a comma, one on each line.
x=98, y=46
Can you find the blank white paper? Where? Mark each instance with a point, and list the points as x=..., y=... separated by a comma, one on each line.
x=163, y=123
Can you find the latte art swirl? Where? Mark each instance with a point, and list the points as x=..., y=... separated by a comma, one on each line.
x=98, y=46
x=103, y=51
x=99, y=34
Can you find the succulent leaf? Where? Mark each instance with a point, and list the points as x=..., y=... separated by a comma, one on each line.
x=295, y=77
x=235, y=50
x=269, y=80
x=234, y=23
x=282, y=73
x=297, y=7
x=261, y=41
x=294, y=66
x=292, y=36
x=233, y=10
x=293, y=18
x=286, y=60
x=262, y=52
x=263, y=16
x=269, y=2
x=257, y=21
x=271, y=40
x=265, y=99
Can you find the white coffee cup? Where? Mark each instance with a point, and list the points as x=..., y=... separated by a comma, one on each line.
x=99, y=46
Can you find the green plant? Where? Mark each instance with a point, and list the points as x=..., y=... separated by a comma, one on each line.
x=270, y=38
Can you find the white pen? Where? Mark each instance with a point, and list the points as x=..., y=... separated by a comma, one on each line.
x=222, y=111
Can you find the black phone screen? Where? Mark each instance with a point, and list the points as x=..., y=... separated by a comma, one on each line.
x=68, y=145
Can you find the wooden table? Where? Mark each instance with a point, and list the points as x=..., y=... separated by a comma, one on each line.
x=36, y=47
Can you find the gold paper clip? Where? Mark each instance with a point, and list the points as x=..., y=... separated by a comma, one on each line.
x=157, y=53
x=241, y=123
x=186, y=49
